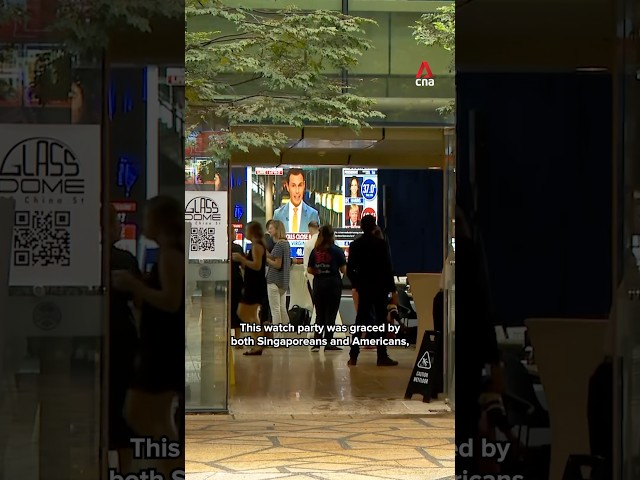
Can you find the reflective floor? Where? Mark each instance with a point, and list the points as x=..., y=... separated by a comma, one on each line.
x=298, y=381
x=320, y=447
x=296, y=414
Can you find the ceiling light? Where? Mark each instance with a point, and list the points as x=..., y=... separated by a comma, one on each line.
x=592, y=69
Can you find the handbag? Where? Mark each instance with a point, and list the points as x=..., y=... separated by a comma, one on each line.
x=299, y=316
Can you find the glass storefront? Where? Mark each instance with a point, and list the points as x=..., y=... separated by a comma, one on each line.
x=387, y=73
x=51, y=409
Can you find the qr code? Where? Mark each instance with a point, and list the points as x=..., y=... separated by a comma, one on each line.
x=42, y=239
x=203, y=239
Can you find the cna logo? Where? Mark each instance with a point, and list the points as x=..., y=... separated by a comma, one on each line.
x=202, y=209
x=41, y=165
x=424, y=77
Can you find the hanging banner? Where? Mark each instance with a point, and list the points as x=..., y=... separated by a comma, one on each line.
x=53, y=174
x=206, y=211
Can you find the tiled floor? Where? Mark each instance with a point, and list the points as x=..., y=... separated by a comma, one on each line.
x=303, y=415
x=320, y=447
x=297, y=381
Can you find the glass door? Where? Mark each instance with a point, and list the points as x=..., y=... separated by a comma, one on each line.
x=449, y=271
x=627, y=319
x=207, y=280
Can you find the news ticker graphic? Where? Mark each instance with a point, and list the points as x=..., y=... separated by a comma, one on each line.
x=296, y=242
x=274, y=172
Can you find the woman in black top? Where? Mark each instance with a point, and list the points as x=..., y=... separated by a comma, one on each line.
x=237, y=284
x=159, y=382
x=326, y=263
x=123, y=340
x=255, y=282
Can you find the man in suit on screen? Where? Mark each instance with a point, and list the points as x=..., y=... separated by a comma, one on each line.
x=296, y=215
x=354, y=215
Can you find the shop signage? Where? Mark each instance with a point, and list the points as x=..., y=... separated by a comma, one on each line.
x=426, y=372
x=206, y=212
x=53, y=174
x=424, y=77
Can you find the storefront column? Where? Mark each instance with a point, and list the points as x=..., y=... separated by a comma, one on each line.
x=268, y=195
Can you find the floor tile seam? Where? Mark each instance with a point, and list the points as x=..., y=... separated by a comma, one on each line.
x=260, y=450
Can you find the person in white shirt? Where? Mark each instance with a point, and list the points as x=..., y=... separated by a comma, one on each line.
x=309, y=245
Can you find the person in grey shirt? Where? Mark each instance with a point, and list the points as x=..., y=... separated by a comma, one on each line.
x=279, y=261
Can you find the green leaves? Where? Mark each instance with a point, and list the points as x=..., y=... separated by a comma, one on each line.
x=280, y=68
x=439, y=30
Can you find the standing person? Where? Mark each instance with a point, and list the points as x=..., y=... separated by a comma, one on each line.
x=309, y=245
x=265, y=310
x=123, y=341
x=296, y=214
x=268, y=239
x=279, y=261
x=255, y=281
x=369, y=270
x=159, y=383
x=237, y=284
x=326, y=263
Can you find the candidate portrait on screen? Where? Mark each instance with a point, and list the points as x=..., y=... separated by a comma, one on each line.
x=352, y=187
x=352, y=216
x=296, y=215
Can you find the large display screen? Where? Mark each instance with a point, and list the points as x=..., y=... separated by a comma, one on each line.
x=298, y=196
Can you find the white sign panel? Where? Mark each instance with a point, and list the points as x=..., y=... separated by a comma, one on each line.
x=53, y=174
x=207, y=214
x=175, y=76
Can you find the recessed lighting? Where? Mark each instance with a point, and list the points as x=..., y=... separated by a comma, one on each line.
x=592, y=69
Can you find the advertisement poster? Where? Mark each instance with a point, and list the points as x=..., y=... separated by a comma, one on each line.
x=206, y=211
x=360, y=195
x=53, y=174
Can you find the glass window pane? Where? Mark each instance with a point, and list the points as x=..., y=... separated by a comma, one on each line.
x=376, y=60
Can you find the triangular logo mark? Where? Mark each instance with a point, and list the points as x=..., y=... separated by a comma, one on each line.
x=425, y=361
x=424, y=67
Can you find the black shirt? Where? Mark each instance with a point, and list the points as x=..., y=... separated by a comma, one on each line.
x=327, y=262
x=369, y=267
x=236, y=272
x=120, y=313
x=269, y=243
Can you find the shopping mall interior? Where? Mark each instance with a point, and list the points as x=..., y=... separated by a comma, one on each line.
x=413, y=170
x=307, y=396
x=545, y=158
x=312, y=413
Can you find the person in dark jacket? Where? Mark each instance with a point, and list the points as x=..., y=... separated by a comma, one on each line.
x=369, y=270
